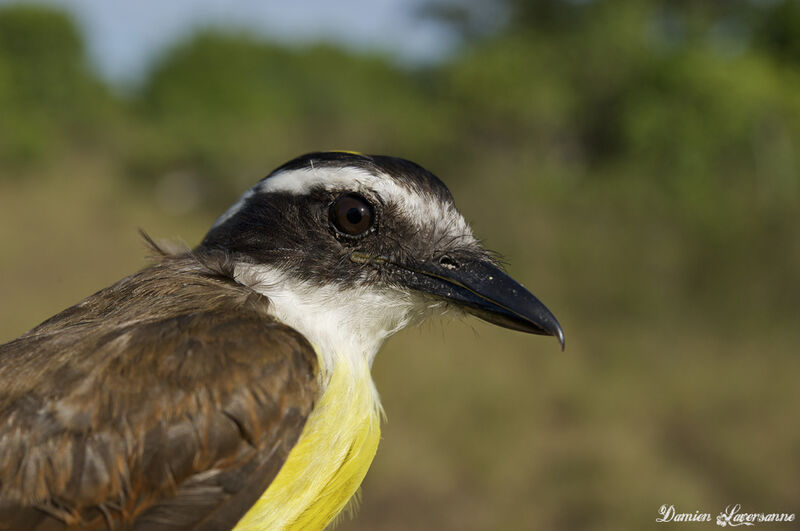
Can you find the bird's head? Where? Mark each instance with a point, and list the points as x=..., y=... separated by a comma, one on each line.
x=358, y=239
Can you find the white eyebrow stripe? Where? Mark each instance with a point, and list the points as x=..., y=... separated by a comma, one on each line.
x=303, y=180
x=419, y=205
x=234, y=209
x=423, y=208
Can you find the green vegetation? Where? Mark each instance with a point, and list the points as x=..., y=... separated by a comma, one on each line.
x=636, y=162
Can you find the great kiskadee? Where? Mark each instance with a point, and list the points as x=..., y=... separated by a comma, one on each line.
x=229, y=386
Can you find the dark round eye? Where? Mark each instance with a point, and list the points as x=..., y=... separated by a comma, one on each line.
x=352, y=214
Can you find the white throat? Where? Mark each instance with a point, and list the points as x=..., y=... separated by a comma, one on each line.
x=343, y=324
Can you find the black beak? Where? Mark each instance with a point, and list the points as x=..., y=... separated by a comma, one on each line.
x=485, y=291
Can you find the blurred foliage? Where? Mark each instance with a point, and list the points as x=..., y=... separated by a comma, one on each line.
x=50, y=99
x=638, y=159
x=222, y=104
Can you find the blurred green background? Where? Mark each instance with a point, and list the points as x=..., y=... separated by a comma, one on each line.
x=636, y=163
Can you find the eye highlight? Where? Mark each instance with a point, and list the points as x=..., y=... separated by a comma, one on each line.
x=351, y=214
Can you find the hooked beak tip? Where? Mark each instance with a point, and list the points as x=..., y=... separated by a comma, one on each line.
x=559, y=333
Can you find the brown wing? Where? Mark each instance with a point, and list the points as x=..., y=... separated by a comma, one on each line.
x=177, y=416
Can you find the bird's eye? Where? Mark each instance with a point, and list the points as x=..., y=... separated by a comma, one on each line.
x=352, y=214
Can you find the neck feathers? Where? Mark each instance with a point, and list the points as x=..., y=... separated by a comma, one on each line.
x=345, y=325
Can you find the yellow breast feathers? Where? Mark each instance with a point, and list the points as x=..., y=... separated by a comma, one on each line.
x=329, y=461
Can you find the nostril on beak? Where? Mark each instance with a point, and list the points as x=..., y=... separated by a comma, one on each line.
x=448, y=263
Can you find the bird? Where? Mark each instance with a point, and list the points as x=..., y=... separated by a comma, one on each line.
x=229, y=386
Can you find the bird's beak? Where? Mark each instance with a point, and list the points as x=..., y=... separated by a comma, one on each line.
x=485, y=291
